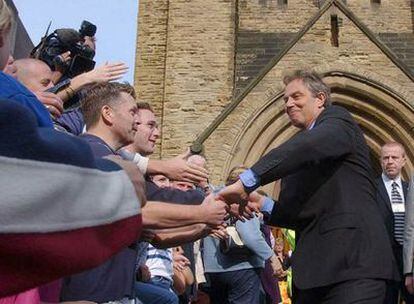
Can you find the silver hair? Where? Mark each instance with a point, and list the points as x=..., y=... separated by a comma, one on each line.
x=312, y=81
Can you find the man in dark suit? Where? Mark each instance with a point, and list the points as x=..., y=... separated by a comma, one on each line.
x=328, y=196
x=391, y=199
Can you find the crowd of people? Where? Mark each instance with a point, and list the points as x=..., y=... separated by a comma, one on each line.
x=88, y=217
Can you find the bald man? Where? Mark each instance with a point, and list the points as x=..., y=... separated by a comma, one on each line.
x=391, y=200
x=37, y=77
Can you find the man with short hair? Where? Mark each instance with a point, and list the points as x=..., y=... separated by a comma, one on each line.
x=110, y=114
x=37, y=77
x=328, y=196
x=391, y=194
x=34, y=74
x=144, y=145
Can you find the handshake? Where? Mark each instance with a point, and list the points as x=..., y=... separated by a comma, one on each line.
x=230, y=201
x=239, y=203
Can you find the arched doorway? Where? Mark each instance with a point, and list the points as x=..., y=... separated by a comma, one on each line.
x=382, y=113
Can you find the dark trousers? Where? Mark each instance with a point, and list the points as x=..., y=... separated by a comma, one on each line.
x=235, y=287
x=363, y=291
x=395, y=288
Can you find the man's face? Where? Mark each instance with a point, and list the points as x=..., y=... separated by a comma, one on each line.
x=183, y=186
x=392, y=160
x=37, y=77
x=125, y=119
x=147, y=133
x=161, y=181
x=300, y=105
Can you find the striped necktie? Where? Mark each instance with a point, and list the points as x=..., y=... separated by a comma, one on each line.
x=395, y=195
x=398, y=210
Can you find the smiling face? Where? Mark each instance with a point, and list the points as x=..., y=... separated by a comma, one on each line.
x=392, y=160
x=147, y=132
x=301, y=105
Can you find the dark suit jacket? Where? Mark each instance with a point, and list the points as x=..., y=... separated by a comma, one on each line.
x=328, y=197
x=384, y=205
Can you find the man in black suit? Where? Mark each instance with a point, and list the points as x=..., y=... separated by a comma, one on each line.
x=391, y=199
x=328, y=196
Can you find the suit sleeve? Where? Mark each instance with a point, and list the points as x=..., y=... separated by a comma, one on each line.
x=332, y=138
x=409, y=230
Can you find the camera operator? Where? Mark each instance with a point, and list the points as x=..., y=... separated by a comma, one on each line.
x=69, y=54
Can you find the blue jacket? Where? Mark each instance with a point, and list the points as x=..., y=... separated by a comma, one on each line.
x=249, y=231
x=11, y=89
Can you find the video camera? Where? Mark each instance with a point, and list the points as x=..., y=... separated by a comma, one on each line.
x=52, y=46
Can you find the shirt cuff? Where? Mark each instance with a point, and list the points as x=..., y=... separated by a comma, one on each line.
x=250, y=180
x=142, y=163
x=268, y=205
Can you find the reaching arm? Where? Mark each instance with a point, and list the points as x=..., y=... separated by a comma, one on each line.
x=173, y=237
x=105, y=73
x=177, y=168
x=331, y=138
x=165, y=215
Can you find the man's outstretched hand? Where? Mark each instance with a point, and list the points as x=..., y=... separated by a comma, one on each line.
x=178, y=168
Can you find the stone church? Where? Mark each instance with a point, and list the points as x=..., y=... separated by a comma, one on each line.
x=213, y=69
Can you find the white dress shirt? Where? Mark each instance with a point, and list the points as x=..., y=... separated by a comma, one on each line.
x=388, y=182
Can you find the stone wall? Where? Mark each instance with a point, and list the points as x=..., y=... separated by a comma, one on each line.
x=390, y=16
x=199, y=69
x=270, y=16
x=402, y=44
x=254, y=51
x=151, y=52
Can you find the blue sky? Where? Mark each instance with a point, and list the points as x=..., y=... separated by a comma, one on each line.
x=116, y=21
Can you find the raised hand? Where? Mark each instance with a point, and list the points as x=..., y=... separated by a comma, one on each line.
x=180, y=261
x=107, y=72
x=177, y=168
x=52, y=102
